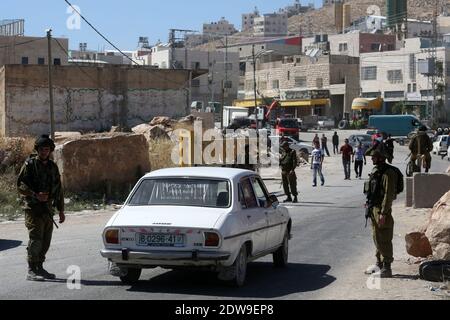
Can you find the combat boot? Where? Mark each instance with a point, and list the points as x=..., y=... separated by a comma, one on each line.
x=295, y=199
x=386, y=271
x=289, y=199
x=32, y=274
x=44, y=273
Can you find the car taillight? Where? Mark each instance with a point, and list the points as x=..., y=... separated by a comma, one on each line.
x=112, y=236
x=211, y=239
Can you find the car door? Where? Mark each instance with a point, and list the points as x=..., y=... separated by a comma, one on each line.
x=254, y=217
x=275, y=226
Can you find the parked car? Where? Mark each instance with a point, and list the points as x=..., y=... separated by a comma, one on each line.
x=355, y=139
x=298, y=146
x=440, y=145
x=217, y=218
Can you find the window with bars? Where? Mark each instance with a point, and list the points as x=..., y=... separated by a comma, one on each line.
x=395, y=76
x=275, y=84
x=300, y=82
x=412, y=66
x=369, y=73
x=343, y=47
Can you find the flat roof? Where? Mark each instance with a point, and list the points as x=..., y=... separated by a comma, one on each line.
x=201, y=172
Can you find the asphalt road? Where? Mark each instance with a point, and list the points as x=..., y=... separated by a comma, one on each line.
x=329, y=244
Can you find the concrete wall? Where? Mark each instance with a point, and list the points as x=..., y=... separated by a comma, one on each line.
x=429, y=188
x=12, y=49
x=91, y=164
x=90, y=99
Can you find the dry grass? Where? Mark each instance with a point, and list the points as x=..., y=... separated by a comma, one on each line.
x=14, y=152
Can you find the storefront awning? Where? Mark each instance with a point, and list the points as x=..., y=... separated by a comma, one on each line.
x=283, y=103
x=367, y=104
x=304, y=103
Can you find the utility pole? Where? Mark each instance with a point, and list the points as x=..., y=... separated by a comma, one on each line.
x=434, y=58
x=254, y=76
x=50, y=84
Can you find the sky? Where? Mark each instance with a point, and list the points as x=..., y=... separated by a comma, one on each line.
x=123, y=22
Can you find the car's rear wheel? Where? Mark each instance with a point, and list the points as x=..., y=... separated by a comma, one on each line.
x=240, y=267
x=132, y=276
x=280, y=257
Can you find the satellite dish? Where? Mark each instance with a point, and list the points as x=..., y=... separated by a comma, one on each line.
x=374, y=10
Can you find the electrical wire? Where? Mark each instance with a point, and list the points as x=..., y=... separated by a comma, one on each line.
x=99, y=33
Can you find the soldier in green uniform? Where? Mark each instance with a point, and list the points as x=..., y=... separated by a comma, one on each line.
x=421, y=145
x=39, y=186
x=288, y=164
x=381, y=192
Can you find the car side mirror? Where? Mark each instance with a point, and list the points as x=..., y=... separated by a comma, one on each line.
x=274, y=201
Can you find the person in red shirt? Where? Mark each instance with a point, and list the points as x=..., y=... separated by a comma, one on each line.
x=347, y=152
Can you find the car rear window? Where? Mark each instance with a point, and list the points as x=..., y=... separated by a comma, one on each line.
x=182, y=192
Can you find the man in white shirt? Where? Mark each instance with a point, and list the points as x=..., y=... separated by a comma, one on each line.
x=317, y=161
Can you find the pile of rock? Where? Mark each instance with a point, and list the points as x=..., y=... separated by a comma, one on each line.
x=433, y=239
x=163, y=127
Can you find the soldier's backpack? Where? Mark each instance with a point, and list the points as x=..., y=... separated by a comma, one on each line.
x=400, y=178
x=435, y=271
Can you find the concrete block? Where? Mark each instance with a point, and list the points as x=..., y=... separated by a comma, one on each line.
x=104, y=164
x=409, y=192
x=429, y=188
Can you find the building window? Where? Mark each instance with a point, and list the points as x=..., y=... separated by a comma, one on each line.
x=426, y=93
x=369, y=73
x=390, y=47
x=195, y=83
x=228, y=84
x=298, y=60
x=41, y=60
x=319, y=82
x=57, y=61
x=289, y=75
x=249, y=85
x=395, y=76
x=300, y=82
x=263, y=85
x=412, y=66
x=375, y=47
x=414, y=87
x=343, y=47
x=195, y=65
x=394, y=94
x=409, y=87
x=24, y=60
x=275, y=84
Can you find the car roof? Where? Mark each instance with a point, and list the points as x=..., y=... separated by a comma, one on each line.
x=202, y=172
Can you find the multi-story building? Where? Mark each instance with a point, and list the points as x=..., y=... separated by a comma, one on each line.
x=414, y=28
x=353, y=43
x=297, y=8
x=330, y=2
x=220, y=28
x=396, y=77
x=271, y=25
x=32, y=50
x=267, y=49
x=222, y=80
x=248, y=20
x=325, y=85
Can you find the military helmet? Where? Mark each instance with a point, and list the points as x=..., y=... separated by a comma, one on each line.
x=376, y=152
x=284, y=144
x=423, y=128
x=44, y=141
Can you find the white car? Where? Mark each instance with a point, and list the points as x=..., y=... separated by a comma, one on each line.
x=217, y=218
x=440, y=145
